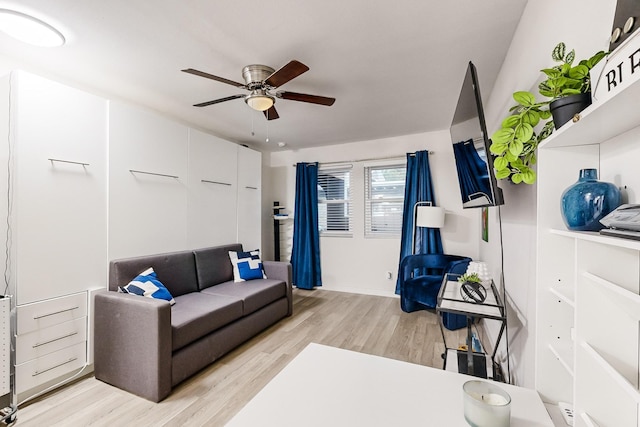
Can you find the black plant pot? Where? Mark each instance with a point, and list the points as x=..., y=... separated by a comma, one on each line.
x=564, y=109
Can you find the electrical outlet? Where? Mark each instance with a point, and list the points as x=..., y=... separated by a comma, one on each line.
x=567, y=412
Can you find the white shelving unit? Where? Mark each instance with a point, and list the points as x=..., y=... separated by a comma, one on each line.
x=588, y=290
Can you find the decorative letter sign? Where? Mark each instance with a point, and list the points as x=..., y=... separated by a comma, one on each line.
x=621, y=69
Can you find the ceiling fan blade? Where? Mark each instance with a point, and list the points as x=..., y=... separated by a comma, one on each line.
x=212, y=77
x=290, y=71
x=271, y=113
x=303, y=97
x=217, y=101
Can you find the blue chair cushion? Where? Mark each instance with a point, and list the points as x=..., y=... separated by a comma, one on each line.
x=423, y=289
x=421, y=277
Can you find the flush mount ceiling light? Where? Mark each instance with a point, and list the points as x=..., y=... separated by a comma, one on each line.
x=259, y=100
x=28, y=29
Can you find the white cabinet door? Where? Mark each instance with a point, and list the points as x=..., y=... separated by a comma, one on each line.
x=147, y=183
x=60, y=206
x=213, y=191
x=249, y=198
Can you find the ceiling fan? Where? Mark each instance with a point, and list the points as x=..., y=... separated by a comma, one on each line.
x=260, y=81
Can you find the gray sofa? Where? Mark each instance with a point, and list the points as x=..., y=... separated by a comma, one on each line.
x=146, y=346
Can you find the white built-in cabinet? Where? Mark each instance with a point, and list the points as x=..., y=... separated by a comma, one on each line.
x=148, y=176
x=56, y=153
x=588, y=285
x=59, y=191
x=212, y=191
x=249, y=198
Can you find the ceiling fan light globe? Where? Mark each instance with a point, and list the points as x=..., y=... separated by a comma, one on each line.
x=259, y=102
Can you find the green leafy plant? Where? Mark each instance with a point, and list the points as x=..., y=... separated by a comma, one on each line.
x=566, y=79
x=515, y=144
x=470, y=277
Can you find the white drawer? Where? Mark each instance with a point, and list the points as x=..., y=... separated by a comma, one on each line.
x=46, y=368
x=50, y=312
x=46, y=340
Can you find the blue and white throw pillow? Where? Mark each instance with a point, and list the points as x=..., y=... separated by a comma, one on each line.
x=246, y=266
x=146, y=284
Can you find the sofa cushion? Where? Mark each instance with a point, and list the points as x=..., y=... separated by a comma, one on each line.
x=246, y=266
x=213, y=265
x=177, y=271
x=196, y=314
x=146, y=284
x=254, y=294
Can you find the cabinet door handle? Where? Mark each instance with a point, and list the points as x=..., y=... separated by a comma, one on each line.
x=68, y=161
x=154, y=173
x=40, y=344
x=36, y=373
x=215, y=182
x=55, y=312
x=251, y=188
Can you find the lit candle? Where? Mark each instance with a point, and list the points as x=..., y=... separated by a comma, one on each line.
x=486, y=405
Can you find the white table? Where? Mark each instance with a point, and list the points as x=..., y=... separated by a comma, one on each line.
x=326, y=386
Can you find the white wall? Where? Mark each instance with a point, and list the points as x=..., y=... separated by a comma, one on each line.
x=359, y=264
x=584, y=26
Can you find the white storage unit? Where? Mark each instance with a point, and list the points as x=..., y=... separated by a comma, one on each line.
x=148, y=156
x=249, y=198
x=213, y=191
x=588, y=303
x=51, y=341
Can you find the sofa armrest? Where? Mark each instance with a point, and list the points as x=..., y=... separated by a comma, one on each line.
x=133, y=344
x=279, y=270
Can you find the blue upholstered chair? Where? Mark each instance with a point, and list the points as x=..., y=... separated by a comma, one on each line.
x=420, y=280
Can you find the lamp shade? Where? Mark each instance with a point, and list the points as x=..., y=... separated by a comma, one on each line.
x=430, y=216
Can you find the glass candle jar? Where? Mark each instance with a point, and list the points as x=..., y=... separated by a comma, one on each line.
x=486, y=405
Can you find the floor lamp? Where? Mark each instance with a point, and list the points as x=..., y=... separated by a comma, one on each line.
x=426, y=215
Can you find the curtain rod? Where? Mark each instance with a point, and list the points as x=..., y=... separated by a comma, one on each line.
x=365, y=160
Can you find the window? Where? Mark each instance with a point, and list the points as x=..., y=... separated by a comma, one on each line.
x=384, y=200
x=334, y=201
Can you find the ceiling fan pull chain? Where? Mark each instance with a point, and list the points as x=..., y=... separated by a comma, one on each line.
x=252, y=132
x=267, y=140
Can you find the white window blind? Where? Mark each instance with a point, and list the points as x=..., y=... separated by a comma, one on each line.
x=384, y=200
x=334, y=201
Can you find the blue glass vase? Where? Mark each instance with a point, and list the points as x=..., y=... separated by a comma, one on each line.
x=587, y=201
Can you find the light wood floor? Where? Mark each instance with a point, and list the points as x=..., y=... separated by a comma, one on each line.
x=369, y=324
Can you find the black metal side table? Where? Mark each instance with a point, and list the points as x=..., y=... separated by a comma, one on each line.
x=450, y=300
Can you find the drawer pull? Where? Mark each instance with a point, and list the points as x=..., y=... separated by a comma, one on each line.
x=251, y=188
x=55, y=312
x=36, y=373
x=55, y=339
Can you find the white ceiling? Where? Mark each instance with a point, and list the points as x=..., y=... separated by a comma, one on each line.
x=395, y=67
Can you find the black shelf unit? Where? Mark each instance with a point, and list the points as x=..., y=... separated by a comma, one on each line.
x=450, y=301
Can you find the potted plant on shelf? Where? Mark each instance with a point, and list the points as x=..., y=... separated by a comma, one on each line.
x=516, y=142
x=568, y=86
x=469, y=277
